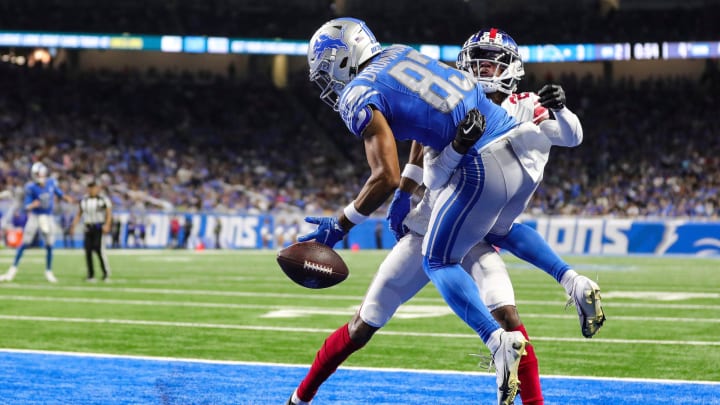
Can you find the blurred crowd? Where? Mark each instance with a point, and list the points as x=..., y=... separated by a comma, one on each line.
x=161, y=141
x=447, y=21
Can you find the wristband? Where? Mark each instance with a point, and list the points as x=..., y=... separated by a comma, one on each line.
x=413, y=172
x=352, y=214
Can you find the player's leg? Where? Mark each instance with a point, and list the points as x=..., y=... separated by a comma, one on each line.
x=88, y=246
x=29, y=231
x=102, y=255
x=527, y=244
x=462, y=216
x=47, y=229
x=399, y=278
x=489, y=272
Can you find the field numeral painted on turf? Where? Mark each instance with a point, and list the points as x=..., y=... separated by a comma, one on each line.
x=404, y=312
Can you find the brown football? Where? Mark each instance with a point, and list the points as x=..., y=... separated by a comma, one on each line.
x=312, y=265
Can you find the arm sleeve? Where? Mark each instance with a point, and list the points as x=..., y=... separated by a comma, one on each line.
x=28, y=196
x=438, y=167
x=565, y=130
x=355, y=107
x=57, y=190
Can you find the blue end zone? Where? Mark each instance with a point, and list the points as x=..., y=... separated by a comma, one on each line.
x=42, y=378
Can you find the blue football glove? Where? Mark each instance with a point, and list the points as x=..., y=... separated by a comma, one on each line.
x=398, y=210
x=328, y=232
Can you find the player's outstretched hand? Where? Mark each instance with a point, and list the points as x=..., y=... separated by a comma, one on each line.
x=471, y=128
x=398, y=210
x=552, y=96
x=328, y=232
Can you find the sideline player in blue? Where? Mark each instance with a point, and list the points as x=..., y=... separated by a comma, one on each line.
x=398, y=93
x=39, y=201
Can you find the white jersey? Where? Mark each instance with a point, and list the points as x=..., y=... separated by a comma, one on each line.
x=532, y=150
x=525, y=107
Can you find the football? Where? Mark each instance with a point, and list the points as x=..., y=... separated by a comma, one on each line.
x=312, y=265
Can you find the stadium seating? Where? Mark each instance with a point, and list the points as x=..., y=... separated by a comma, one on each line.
x=201, y=142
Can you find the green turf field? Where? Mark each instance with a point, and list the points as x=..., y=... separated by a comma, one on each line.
x=662, y=313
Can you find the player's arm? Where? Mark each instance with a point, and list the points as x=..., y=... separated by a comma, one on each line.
x=381, y=153
x=76, y=219
x=566, y=129
x=30, y=201
x=59, y=193
x=65, y=197
x=410, y=179
x=108, y=216
x=438, y=167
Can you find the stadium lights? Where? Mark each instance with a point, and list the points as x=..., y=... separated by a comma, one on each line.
x=224, y=45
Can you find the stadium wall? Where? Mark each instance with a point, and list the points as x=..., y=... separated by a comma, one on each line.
x=567, y=235
x=247, y=65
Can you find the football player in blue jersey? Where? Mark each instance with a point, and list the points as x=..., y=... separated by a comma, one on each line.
x=399, y=94
x=492, y=57
x=39, y=201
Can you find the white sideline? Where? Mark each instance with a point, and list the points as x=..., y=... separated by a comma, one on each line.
x=326, y=331
x=385, y=369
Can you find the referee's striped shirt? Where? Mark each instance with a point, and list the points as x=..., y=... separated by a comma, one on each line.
x=94, y=209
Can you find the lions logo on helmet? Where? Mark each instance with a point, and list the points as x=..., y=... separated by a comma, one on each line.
x=39, y=172
x=325, y=41
x=492, y=57
x=335, y=53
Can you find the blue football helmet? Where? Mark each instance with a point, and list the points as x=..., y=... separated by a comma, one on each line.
x=488, y=48
x=335, y=53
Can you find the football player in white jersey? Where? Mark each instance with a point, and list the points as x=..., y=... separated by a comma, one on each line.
x=400, y=276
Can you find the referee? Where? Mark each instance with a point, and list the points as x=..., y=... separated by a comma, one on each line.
x=96, y=213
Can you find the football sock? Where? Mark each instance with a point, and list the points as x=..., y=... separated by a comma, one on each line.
x=337, y=347
x=530, y=389
x=527, y=244
x=461, y=294
x=48, y=258
x=568, y=280
x=18, y=254
x=295, y=400
x=494, y=342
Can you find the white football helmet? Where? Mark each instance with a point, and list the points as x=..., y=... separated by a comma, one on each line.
x=497, y=48
x=39, y=172
x=335, y=53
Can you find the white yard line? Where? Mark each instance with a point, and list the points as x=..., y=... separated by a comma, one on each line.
x=313, y=295
x=349, y=311
x=326, y=331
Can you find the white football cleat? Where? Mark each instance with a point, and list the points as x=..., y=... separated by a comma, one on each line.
x=49, y=276
x=10, y=275
x=586, y=297
x=507, y=360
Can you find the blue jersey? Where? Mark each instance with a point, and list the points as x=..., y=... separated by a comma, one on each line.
x=45, y=193
x=422, y=99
